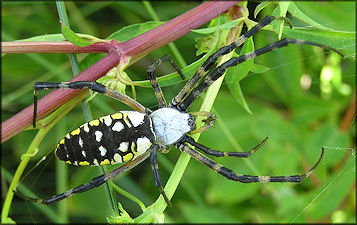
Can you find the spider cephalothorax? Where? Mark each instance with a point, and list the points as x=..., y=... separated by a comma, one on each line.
x=171, y=125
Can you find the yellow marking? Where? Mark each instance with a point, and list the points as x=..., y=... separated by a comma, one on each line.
x=153, y=81
x=69, y=162
x=126, y=120
x=61, y=142
x=84, y=163
x=240, y=40
x=94, y=123
x=76, y=132
x=101, y=119
x=216, y=167
x=117, y=116
x=160, y=97
x=105, y=162
x=308, y=173
x=132, y=147
x=201, y=71
x=127, y=157
x=264, y=179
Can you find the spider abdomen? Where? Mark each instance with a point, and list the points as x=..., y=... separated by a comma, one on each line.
x=111, y=139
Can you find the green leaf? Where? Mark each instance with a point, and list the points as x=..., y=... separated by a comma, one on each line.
x=338, y=40
x=222, y=27
x=238, y=95
x=282, y=9
x=74, y=38
x=329, y=136
x=131, y=31
x=304, y=116
x=237, y=73
x=45, y=37
x=225, y=193
x=204, y=44
x=322, y=15
x=260, y=7
x=284, y=76
x=334, y=192
x=199, y=214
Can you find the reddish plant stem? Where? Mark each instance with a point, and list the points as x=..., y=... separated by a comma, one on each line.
x=51, y=47
x=136, y=48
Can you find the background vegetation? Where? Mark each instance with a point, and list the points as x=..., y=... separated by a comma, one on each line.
x=301, y=101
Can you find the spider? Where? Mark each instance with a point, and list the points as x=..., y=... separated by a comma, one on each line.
x=130, y=137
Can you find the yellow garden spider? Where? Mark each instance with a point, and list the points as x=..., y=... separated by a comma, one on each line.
x=130, y=137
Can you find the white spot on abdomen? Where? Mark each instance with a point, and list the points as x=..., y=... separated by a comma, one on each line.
x=102, y=150
x=80, y=142
x=143, y=144
x=98, y=135
x=123, y=147
x=118, y=126
x=136, y=118
x=107, y=120
x=85, y=127
x=117, y=158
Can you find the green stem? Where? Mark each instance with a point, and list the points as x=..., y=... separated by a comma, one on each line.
x=128, y=195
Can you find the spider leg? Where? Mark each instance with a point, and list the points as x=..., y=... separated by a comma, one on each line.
x=209, y=151
x=95, y=182
x=154, y=83
x=220, y=70
x=155, y=169
x=229, y=174
x=214, y=57
x=92, y=85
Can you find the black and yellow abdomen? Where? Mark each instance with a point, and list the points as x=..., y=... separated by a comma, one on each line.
x=111, y=139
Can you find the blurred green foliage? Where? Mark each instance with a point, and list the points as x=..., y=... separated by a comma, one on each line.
x=299, y=101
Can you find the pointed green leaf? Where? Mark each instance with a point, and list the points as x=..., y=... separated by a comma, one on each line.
x=236, y=73
x=260, y=7
x=134, y=30
x=222, y=27
x=74, y=38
